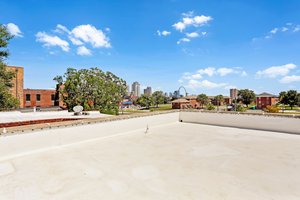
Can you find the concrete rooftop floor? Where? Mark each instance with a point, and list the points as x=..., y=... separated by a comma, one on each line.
x=172, y=161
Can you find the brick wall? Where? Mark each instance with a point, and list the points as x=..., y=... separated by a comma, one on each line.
x=45, y=98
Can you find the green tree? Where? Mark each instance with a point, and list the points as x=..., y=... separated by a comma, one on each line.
x=158, y=98
x=219, y=99
x=202, y=99
x=283, y=98
x=7, y=101
x=246, y=96
x=292, y=98
x=91, y=88
x=298, y=99
x=145, y=101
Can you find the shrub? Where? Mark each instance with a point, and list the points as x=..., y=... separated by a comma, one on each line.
x=240, y=108
x=272, y=109
x=210, y=106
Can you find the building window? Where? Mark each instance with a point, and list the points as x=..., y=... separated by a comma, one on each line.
x=38, y=97
x=27, y=97
x=52, y=97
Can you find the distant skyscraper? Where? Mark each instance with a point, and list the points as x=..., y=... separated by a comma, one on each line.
x=148, y=91
x=234, y=93
x=136, y=89
x=128, y=90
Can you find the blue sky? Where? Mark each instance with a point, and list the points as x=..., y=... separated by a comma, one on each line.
x=206, y=46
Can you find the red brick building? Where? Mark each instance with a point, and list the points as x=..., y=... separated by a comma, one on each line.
x=180, y=104
x=265, y=99
x=39, y=98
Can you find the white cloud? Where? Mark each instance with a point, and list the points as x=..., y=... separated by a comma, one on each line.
x=192, y=35
x=61, y=29
x=201, y=20
x=208, y=71
x=194, y=84
x=225, y=71
x=49, y=40
x=284, y=29
x=297, y=28
x=89, y=34
x=290, y=79
x=180, y=26
x=190, y=20
x=83, y=51
x=274, y=71
x=163, y=33
x=14, y=30
x=183, y=40
x=204, y=33
x=274, y=31
x=75, y=41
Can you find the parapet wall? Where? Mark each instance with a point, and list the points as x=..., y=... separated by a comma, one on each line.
x=257, y=122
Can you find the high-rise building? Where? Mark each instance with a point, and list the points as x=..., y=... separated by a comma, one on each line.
x=234, y=93
x=148, y=91
x=136, y=89
x=128, y=90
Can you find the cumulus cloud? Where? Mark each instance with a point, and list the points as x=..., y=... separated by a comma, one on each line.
x=81, y=36
x=61, y=29
x=50, y=40
x=290, y=79
x=191, y=20
x=195, y=84
x=163, y=33
x=83, y=51
x=14, y=30
x=208, y=71
x=89, y=34
x=192, y=35
x=275, y=71
x=183, y=40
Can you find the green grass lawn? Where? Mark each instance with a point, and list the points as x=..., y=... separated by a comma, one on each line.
x=162, y=107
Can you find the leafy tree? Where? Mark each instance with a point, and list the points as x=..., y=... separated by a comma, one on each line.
x=298, y=99
x=202, y=99
x=92, y=89
x=7, y=100
x=292, y=98
x=158, y=97
x=283, y=98
x=246, y=96
x=219, y=99
x=145, y=101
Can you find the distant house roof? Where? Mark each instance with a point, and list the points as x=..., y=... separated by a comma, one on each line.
x=180, y=101
x=265, y=94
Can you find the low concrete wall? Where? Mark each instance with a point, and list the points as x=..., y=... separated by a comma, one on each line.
x=257, y=122
x=22, y=144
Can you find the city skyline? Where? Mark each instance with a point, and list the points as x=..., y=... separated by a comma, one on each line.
x=191, y=43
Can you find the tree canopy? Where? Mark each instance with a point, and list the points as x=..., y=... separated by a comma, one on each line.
x=219, y=99
x=246, y=96
x=92, y=89
x=158, y=97
x=291, y=98
x=145, y=100
x=202, y=99
x=7, y=100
